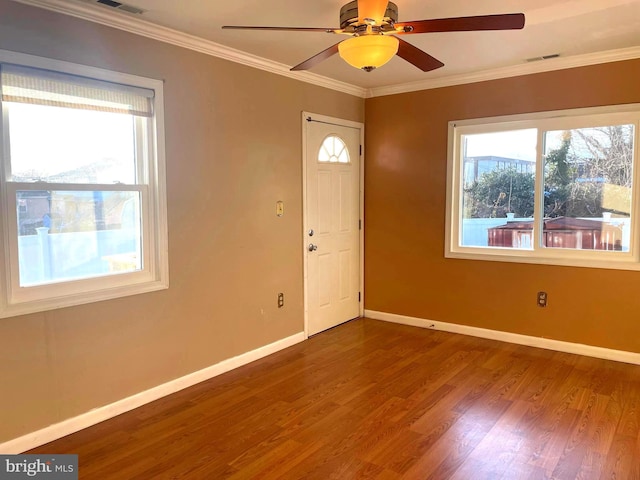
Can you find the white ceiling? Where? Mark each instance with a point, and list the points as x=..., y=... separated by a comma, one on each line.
x=568, y=27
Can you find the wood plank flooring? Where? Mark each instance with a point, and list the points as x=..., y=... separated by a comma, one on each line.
x=374, y=400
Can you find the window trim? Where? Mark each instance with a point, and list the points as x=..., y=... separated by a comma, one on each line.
x=155, y=273
x=543, y=121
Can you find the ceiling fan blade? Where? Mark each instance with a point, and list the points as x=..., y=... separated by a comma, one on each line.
x=316, y=59
x=417, y=57
x=372, y=9
x=283, y=29
x=508, y=21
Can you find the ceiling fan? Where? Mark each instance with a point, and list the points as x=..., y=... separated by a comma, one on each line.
x=373, y=26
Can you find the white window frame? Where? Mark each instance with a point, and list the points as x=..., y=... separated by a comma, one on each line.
x=543, y=121
x=154, y=275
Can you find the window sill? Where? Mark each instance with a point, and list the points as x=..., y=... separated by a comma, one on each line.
x=498, y=255
x=24, y=308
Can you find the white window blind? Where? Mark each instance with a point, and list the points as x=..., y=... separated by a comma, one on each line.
x=43, y=87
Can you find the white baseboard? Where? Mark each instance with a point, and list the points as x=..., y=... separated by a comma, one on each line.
x=538, y=342
x=72, y=425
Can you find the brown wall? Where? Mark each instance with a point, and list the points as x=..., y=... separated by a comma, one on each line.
x=233, y=143
x=405, y=269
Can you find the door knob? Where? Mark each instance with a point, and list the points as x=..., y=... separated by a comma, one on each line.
x=311, y=232
x=312, y=247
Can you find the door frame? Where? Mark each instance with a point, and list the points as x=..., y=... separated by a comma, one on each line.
x=305, y=227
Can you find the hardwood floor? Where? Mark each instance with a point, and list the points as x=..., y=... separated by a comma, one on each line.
x=376, y=400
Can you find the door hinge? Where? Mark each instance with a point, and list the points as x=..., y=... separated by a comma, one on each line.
x=359, y=296
x=360, y=150
x=359, y=224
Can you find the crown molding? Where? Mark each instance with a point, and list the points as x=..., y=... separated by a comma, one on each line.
x=561, y=63
x=137, y=26
x=147, y=29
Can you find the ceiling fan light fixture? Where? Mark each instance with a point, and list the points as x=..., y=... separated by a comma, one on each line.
x=368, y=52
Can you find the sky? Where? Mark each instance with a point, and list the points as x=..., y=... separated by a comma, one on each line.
x=520, y=144
x=50, y=140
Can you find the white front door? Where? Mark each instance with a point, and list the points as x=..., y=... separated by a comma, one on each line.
x=332, y=222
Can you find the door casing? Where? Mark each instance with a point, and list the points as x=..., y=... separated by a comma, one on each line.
x=305, y=240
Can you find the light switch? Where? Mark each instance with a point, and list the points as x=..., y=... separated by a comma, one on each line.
x=279, y=208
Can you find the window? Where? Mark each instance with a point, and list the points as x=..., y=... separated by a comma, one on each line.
x=82, y=185
x=554, y=187
x=333, y=150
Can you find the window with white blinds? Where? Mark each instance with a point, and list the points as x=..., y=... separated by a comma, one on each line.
x=83, y=187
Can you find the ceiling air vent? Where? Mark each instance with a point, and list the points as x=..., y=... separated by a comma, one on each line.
x=543, y=57
x=120, y=6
